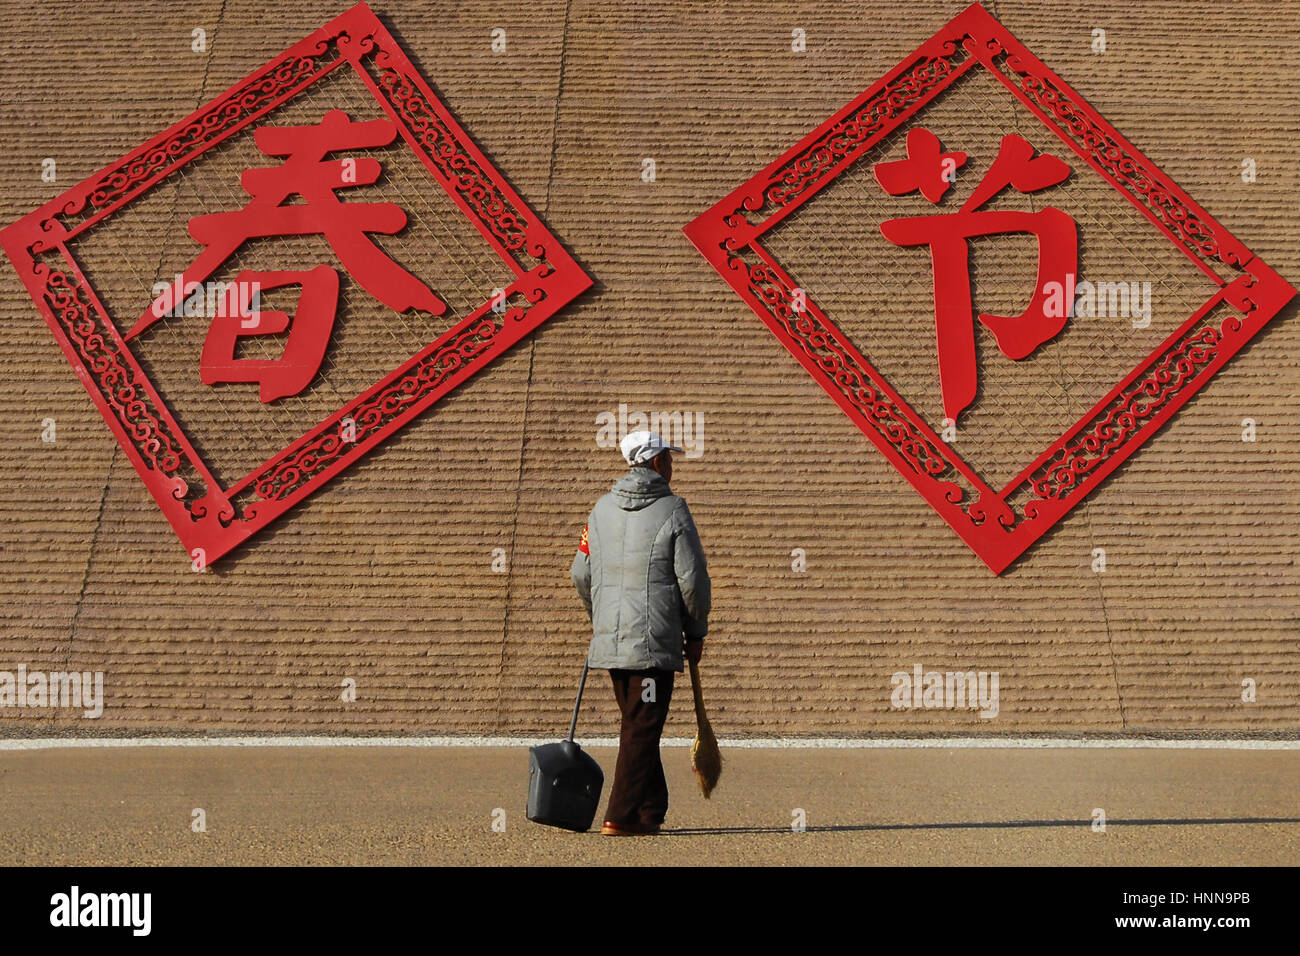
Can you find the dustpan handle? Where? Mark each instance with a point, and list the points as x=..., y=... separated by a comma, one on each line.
x=573, y=724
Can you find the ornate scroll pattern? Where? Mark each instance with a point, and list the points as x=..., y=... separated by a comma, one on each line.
x=878, y=113
x=111, y=373
x=1069, y=468
x=376, y=413
x=217, y=121
x=998, y=528
x=1124, y=169
x=823, y=345
x=437, y=142
x=196, y=503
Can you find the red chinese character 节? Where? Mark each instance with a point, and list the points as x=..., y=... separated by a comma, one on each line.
x=930, y=170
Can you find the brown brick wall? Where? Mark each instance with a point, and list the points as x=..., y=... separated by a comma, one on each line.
x=385, y=576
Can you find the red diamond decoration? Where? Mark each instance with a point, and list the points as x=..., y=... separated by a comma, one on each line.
x=211, y=518
x=998, y=524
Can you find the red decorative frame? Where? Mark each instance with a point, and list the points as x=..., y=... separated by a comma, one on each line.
x=728, y=236
x=204, y=514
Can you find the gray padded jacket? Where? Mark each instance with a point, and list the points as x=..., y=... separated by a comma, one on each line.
x=644, y=581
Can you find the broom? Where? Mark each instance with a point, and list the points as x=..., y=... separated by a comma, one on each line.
x=706, y=759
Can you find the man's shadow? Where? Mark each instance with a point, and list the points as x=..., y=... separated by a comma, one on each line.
x=981, y=825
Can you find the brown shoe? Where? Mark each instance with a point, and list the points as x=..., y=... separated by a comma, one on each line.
x=629, y=829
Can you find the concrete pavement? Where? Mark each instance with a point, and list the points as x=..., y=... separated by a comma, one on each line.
x=436, y=805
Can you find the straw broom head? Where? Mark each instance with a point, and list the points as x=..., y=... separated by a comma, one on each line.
x=706, y=759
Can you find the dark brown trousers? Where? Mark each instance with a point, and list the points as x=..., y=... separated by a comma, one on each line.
x=640, y=792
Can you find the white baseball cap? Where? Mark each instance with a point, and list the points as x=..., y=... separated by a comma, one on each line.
x=642, y=446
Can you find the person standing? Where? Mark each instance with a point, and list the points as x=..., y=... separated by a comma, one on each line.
x=641, y=574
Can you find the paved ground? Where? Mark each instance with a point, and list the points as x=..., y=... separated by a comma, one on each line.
x=380, y=805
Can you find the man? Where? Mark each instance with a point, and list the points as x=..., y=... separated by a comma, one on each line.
x=641, y=573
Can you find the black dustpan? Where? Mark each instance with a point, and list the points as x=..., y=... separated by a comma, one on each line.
x=564, y=781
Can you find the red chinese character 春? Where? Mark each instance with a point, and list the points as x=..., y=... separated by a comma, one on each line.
x=306, y=173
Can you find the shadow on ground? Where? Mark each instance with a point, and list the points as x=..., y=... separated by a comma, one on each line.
x=981, y=825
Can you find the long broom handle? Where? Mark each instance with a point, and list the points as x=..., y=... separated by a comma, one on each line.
x=701, y=717
x=573, y=724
